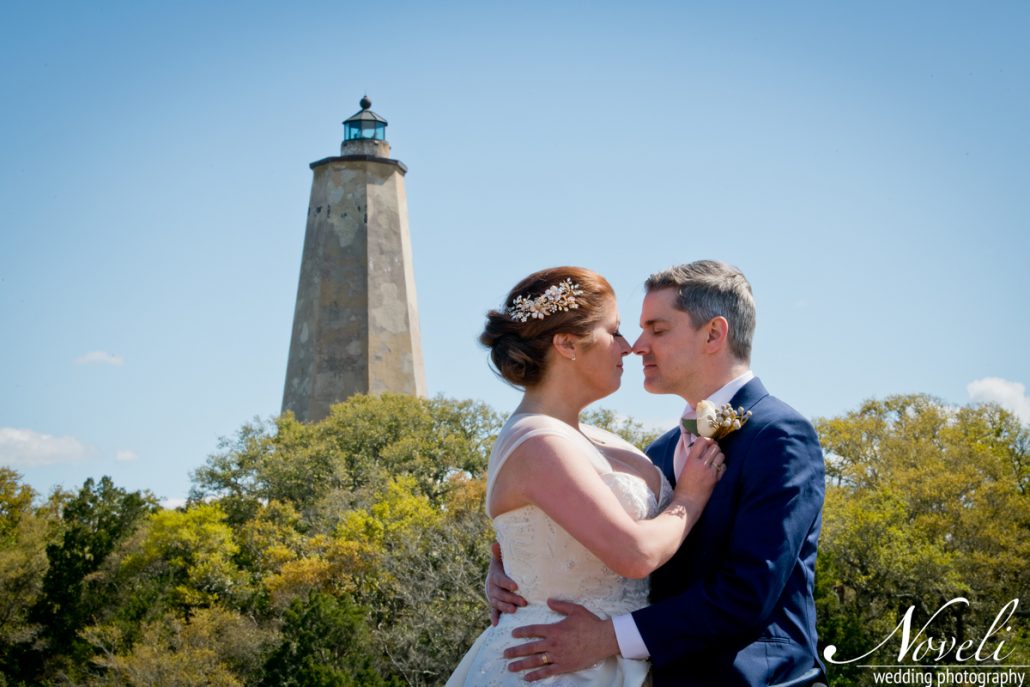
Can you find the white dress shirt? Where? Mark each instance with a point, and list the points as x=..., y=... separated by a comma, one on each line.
x=631, y=644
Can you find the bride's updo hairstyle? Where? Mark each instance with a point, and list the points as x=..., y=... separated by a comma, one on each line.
x=519, y=342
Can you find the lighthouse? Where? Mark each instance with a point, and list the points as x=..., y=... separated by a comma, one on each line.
x=355, y=324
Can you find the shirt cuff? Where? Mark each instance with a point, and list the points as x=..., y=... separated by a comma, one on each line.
x=631, y=644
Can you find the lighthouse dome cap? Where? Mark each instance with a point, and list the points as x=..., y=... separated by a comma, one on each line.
x=365, y=114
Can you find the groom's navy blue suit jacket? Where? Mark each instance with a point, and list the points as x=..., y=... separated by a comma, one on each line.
x=735, y=605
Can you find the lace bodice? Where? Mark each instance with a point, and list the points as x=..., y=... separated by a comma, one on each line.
x=547, y=562
x=543, y=558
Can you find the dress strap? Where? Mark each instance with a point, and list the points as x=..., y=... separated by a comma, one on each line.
x=522, y=427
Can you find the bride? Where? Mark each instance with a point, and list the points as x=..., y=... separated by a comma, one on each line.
x=580, y=514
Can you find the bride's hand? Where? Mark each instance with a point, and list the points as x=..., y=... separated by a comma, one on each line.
x=705, y=465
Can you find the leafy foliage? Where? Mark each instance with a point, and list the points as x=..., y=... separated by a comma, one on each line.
x=629, y=429
x=215, y=647
x=352, y=551
x=325, y=644
x=189, y=554
x=345, y=459
x=24, y=535
x=925, y=503
x=93, y=523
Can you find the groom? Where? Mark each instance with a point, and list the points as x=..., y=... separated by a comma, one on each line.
x=735, y=605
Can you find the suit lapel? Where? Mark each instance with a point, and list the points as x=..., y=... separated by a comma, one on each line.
x=663, y=450
x=749, y=394
x=747, y=397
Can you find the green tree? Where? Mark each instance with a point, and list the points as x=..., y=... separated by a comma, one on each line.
x=174, y=595
x=325, y=643
x=379, y=507
x=93, y=522
x=629, y=429
x=214, y=647
x=341, y=462
x=234, y=473
x=273, y=536
x=432, y=607
x=189, y=555
x=415, y=566
x=925, y=502
x=24, y=534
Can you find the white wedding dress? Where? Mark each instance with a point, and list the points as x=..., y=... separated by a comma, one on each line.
x=547, y=562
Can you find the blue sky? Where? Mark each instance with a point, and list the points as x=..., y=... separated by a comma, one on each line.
x=865, y=164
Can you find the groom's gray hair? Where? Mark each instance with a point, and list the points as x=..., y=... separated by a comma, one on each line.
x=707, y=289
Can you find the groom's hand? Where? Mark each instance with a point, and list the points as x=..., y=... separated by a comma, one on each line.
x=577, y=642
x=500, y=589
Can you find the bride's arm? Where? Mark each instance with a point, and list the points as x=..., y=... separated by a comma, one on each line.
x=543, y=471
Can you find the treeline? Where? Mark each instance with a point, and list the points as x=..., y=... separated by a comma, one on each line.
x=925, y=503
x=352, y=551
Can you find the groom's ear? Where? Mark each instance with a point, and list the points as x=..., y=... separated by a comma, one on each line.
x=716, y=334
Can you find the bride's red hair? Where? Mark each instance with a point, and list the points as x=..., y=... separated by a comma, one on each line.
x=518, y=350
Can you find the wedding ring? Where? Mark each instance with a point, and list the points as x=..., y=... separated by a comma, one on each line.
x=545, y=658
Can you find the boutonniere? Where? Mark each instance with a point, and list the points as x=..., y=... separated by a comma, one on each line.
x=714, y=422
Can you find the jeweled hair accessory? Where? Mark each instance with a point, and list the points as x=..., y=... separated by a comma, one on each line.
x=558, y=298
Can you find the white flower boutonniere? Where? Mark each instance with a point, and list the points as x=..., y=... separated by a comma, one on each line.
x=714, y=422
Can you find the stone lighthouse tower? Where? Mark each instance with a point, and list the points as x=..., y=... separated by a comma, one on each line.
x=355, y=326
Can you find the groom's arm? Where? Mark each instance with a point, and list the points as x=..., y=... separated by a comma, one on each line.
x=500, y=589
x=781, y=497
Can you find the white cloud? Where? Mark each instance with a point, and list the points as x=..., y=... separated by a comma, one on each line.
x=99, y=358
x=172, y=504
x=125, y=455
x=1009, y=395
x=28, y=449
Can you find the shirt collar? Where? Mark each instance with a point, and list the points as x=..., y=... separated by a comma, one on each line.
x=725, y=394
